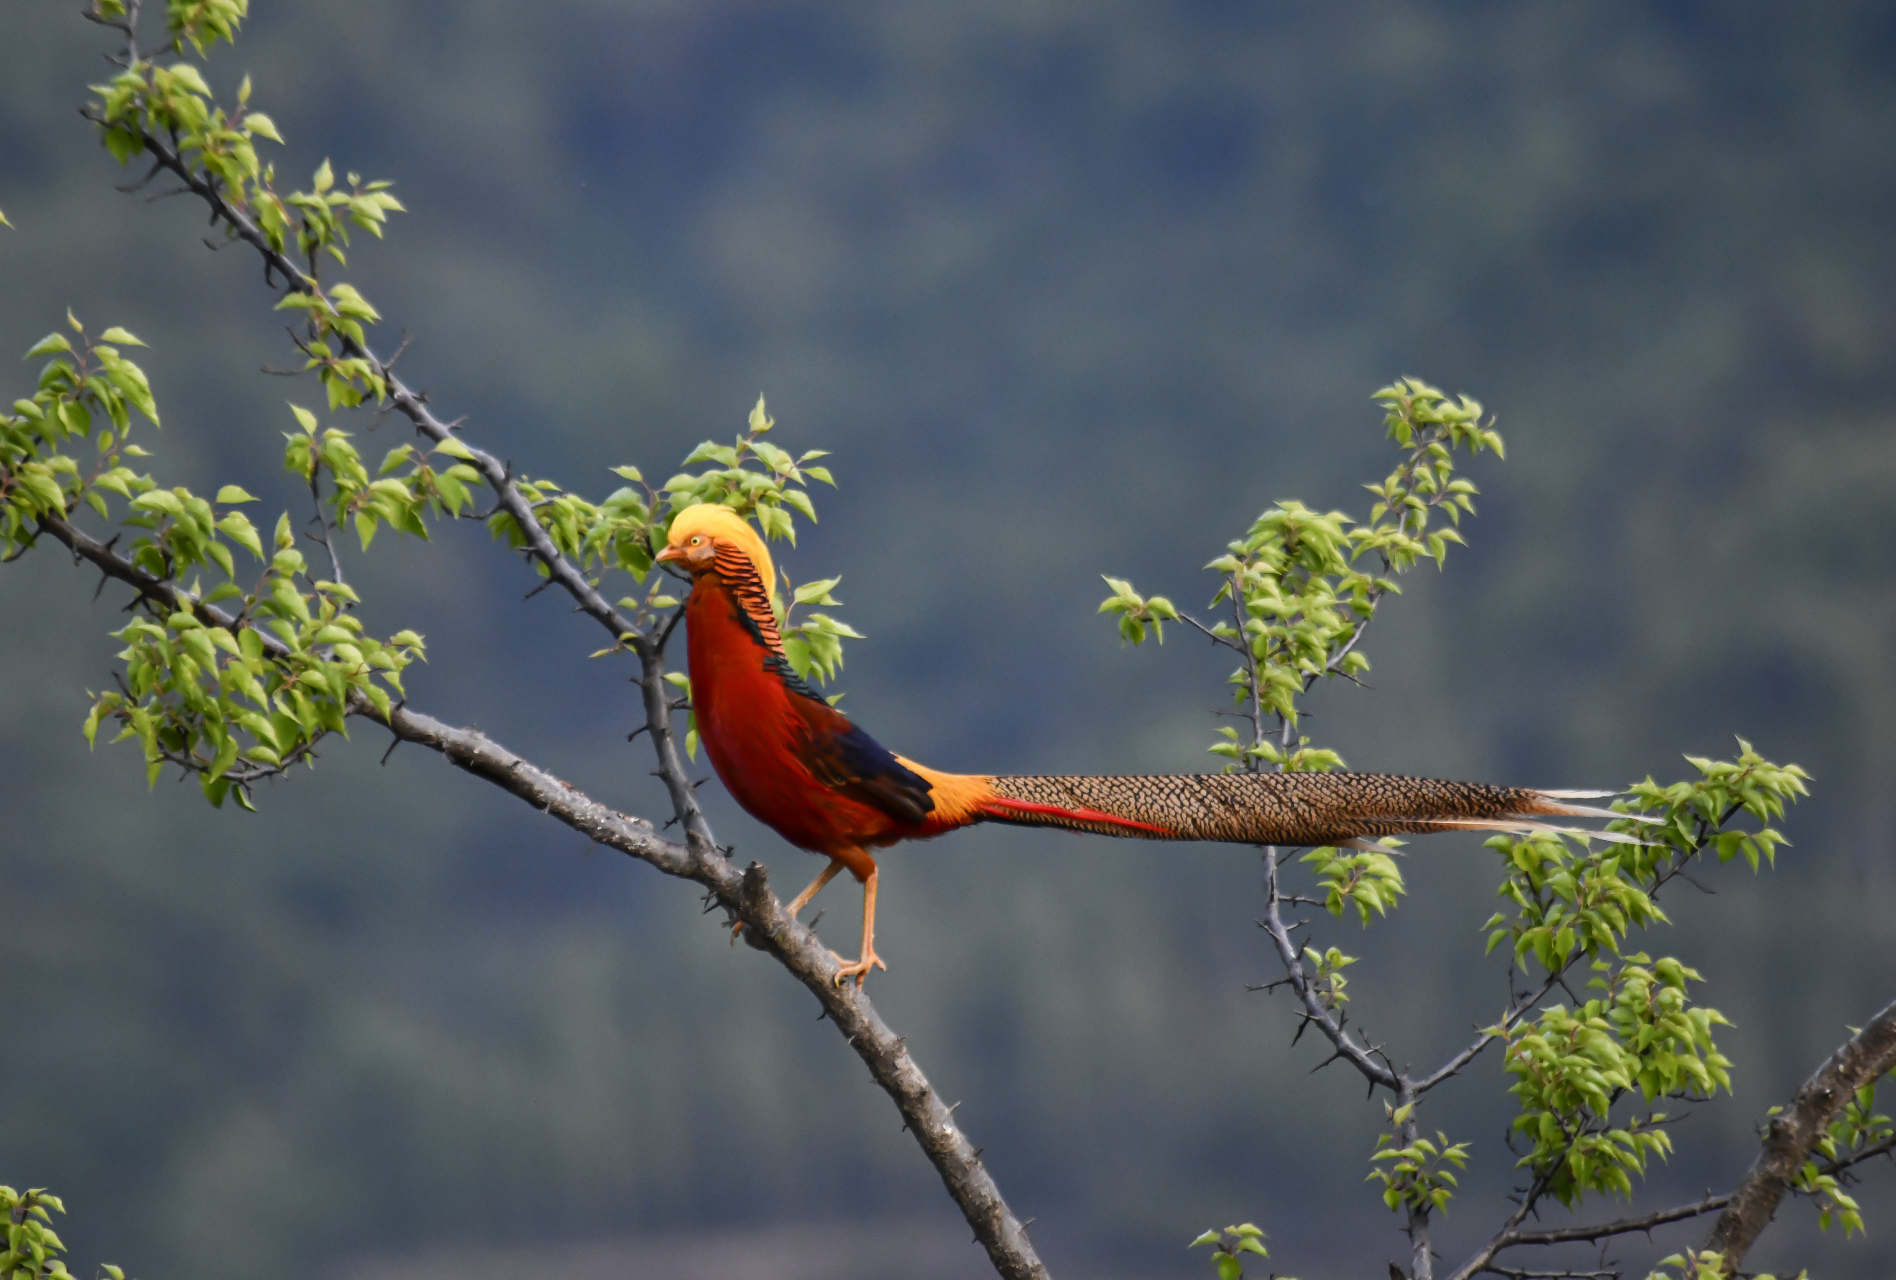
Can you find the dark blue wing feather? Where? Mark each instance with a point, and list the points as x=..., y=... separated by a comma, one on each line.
x=842, y=756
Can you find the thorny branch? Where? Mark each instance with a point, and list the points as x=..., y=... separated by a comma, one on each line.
x=1599, y=1231
x=1315, y=1010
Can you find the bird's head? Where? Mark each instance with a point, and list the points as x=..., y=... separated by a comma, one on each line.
x=697, y=533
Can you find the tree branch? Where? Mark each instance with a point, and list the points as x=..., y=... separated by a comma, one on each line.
x=1315, y=1012
x=498, y=476
x=1520, y=1009
x=1791, y=1134
x=1509, y=1238
x=1883, y=1148
x=412, y=405
x=744, y=894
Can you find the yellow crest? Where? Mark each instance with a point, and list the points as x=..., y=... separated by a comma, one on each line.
x=721, y=524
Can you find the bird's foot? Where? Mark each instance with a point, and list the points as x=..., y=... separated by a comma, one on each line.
x=859, y=968
x=737, y=931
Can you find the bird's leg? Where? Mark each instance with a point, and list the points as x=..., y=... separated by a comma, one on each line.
x=859, y=967
x=802, y=900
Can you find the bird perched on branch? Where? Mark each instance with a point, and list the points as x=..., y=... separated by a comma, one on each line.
x=802, y=768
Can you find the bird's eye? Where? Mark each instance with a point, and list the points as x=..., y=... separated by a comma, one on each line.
x=696, y=540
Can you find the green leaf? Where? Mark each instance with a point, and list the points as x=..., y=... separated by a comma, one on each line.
x=234, y=493
x=238, y=528
x=52, y=342
x=801, y=501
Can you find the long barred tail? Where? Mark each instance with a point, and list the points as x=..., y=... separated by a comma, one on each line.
x=1280, y=808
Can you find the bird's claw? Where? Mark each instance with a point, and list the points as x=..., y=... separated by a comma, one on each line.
x=859, y=968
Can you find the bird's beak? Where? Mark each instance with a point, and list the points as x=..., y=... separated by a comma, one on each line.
x=669, y=553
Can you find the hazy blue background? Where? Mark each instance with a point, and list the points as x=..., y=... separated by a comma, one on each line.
x=1068, y=289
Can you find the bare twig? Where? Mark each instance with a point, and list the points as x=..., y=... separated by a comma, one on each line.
x=1518, y=1010
x=1621, y=1226
x=1883, y=1148
x=325, y=531
x=1509, y=1238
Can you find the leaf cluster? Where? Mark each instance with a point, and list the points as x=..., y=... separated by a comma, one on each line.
x=228, y=698
x=405, y=490
x=753, y=477
x=1858, y=1131
x=814, y=642
x=226, y=705
x=1581, y=901
x=1571, y=1066
x=1573, y=901
x=1330, y=985
x=1706, y=1264
x=1367, y=879
x=1302, y=584
x=32, y=1246
x=1690, y=811
x=80, y=388
x=1229, y=1246
x=1415, y=1172
x=150, y=102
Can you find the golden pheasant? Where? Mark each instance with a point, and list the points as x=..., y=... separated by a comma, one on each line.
x=799, y=766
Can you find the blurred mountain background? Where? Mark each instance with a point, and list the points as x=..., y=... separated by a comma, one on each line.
x=1069, y=289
